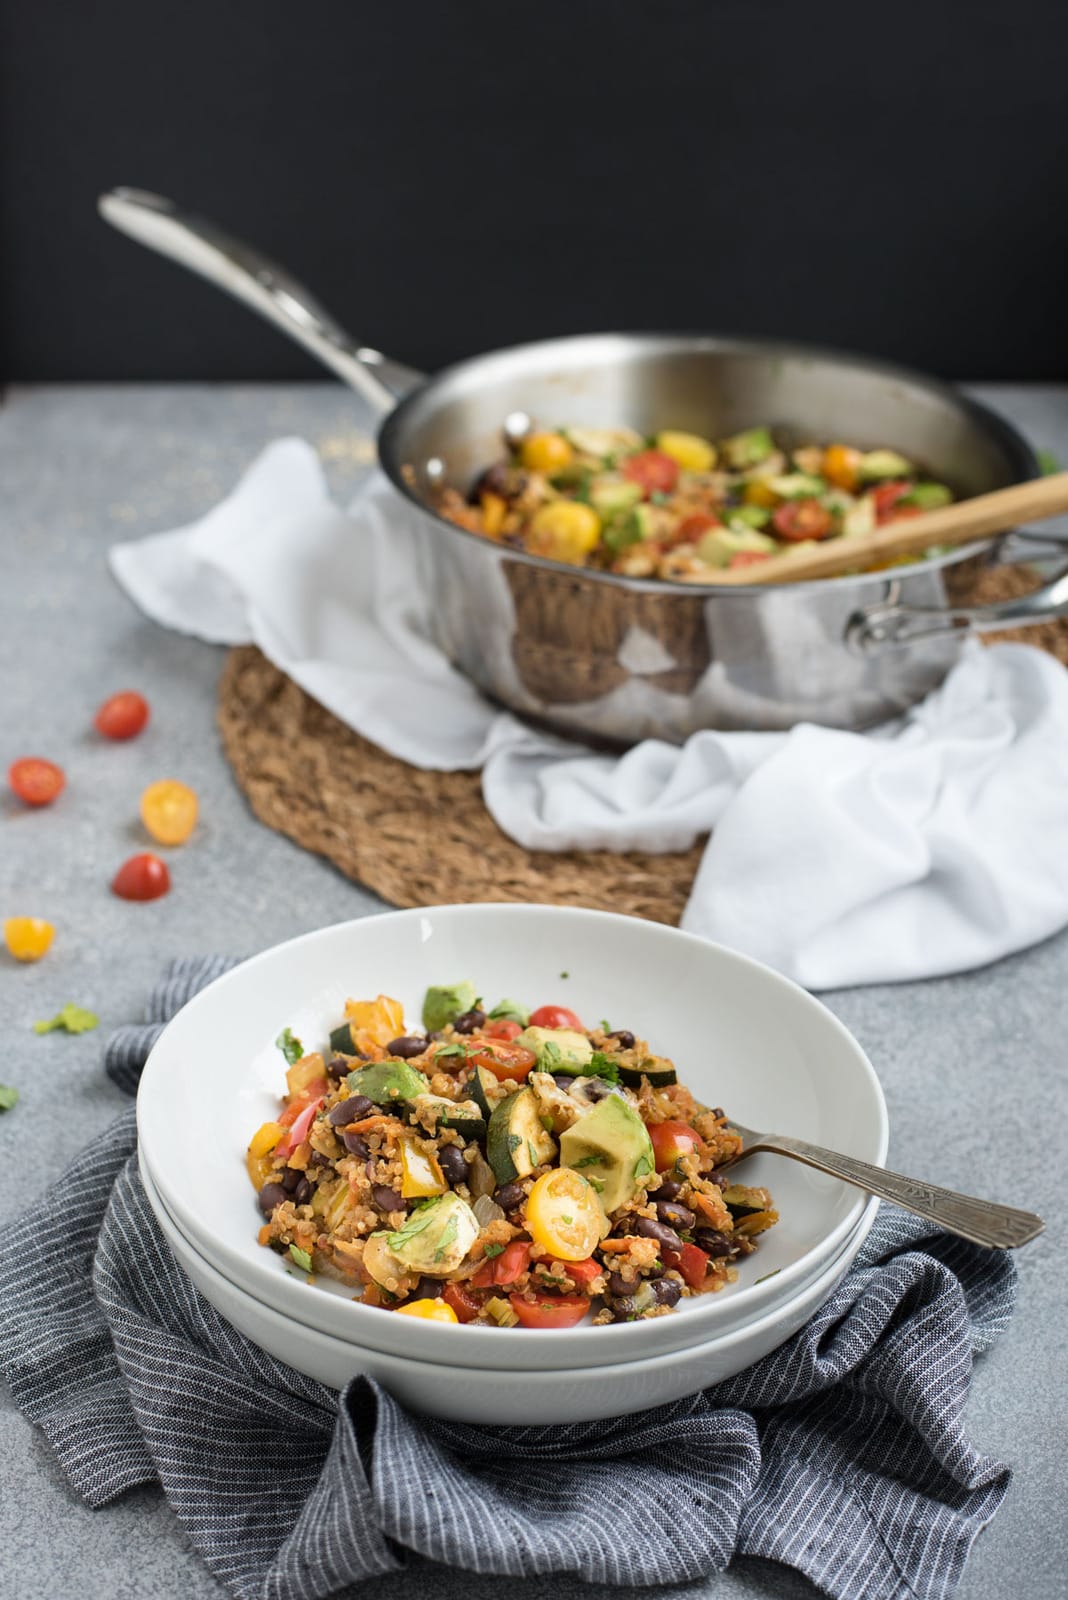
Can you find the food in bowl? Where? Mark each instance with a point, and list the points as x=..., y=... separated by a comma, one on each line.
x=501, y=1167
x=680, y=506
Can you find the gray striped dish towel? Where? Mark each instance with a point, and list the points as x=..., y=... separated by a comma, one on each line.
x=842, y=1454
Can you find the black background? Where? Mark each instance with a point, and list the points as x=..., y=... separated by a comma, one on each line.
x=450, y=177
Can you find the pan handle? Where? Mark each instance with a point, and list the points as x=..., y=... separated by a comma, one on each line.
x=890, y=626
x=242, y=271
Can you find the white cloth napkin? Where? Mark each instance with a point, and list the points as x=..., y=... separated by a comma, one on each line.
x=937, y=844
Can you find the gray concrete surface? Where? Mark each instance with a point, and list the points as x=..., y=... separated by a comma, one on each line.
x=973, y=1067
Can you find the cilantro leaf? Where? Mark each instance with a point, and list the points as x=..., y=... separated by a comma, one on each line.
x=290, y=1047
x=71, y=1018
x=8, y=1097
x=510, y=1011
x=447, y=1237
x=603, y=1066
x=450, y=1050
x=1047, y=462
x=492, y=1250
x=301, y=1257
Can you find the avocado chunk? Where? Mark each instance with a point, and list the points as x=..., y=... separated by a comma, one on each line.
x=516, y=1141
x=613, y=496
x=557, y=1049
x=611, y=1147
x=386, y=1082
x=746, y=517
x=447, y=1002
x=884, y=464
x=797, y=485
x=748, y=449
x=928, y=496
x=510, y=1011
x=637, y=525
x=436, y=1237
x=718, y=545
x=859, y=518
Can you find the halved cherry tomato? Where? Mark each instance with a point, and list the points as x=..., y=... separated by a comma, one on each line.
x=465, y=1305
x=692, y=527
x=886, y=497
x=512, y=1061
x=142, y=877
x=28, y=938
x=583, y=1272
x=672, y=1140
x=795, y=520
x=691, y=1262
x=655, y=472
x=436, y=1310
x=564, y=1215
x=511, y=1264
x=298, y=1132
x=123, y=715
x=550, y=1310
x=37, y=782
x=748, y=558
x=554, y=1017
x=501, y=1028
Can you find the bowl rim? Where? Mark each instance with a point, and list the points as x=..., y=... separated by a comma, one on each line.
x=989, y=421
x=534, y=1339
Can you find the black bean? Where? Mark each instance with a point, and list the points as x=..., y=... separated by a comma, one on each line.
x=302, y=1193
x=470, y=1021
x=356, y=1145
x=719, y=1113
x=625, y=1037
x=290, y=1178
x=350, y=1110
x=387, y=1199
x=664, y=1236
x=452, y=1163
x=668, y=1291
x=271, y=1195
x=428, y=1289
x=339, y=1068
x=510, y=1196
x=495, y=480
x=712, y=1242
x=623, y=1307
x=679, y=1217
x=564, y=1081
x=618, y=1284
x=597, y=1088
x=409, y=1044
x=668, y=1190
x=719, y=1178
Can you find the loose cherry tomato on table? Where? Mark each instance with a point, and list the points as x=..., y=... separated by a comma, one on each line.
x=169, y=811
x=142, y=877
x=37, y=782
x=672, y=1140
x=796, y=520
x=28, y=938
x=122, y=716
x=511, y=1061
x=652, y=470
x=550, y=1310
x=501, y=1028
x=554, y=1017
x=511, y=1264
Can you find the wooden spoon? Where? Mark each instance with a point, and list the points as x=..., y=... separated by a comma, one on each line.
x=986, y=514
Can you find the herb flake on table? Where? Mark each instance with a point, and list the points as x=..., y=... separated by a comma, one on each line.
x=8, y=1097
x=71, y=1019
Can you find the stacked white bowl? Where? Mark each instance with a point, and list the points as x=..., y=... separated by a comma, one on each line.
x=741, y=1037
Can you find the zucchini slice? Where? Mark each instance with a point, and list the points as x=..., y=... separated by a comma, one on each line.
x=659, y=1076
x=484, y=1091
x=465, y=1116
x=341, y=1042
x=516, y=1142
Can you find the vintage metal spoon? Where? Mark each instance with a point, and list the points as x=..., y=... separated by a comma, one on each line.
x=984, y=1222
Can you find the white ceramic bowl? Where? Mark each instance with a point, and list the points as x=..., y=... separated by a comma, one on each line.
x=742, y=1037
x=521, y=1396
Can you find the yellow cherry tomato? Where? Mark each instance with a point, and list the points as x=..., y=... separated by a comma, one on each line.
x=692, y=453
x=564, y=1215
x=757, y=493
x=564, y=530
x=28, y=938
x=169, y=811
x=429, y=1310
x=545, y=452
x=258, y=1160
x=841, y=466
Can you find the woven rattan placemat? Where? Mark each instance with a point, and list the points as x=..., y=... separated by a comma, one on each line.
x=426, y=838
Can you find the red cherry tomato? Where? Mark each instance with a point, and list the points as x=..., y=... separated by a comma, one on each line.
x=692, y=527
x=512, y=1061
x=886, y=496
x=465, y=1305
x=142, y=877
x=37, y=782
x=672, y=1140
x=554, y=1017
x=691, y=1262
x=511, y=1264
x=123, y=715
x=550, y=1310
x=502, y=1028
x=583, y=1272
x=655, y=472
x=795, y=520
x=748, y=558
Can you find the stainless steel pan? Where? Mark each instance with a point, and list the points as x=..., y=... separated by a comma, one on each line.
x=622, y=659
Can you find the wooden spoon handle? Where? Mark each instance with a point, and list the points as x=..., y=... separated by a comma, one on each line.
x=978, y=518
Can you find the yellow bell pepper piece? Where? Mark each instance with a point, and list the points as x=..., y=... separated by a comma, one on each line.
x=383, y=1018
x=420, y=1173
x=692, y=453
x=564, y=530
x=757, y=493
x=493, y=510
x=258, y=1161
x=429, y=1310
x=305, y=1072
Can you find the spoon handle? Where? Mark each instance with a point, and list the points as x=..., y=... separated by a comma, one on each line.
x=982, y=1221
x=206, y=249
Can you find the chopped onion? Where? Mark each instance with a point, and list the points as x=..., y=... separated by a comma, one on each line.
x=487, y=1211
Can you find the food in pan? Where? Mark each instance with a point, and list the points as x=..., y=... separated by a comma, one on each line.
x=501, y=1167
x=679, y=506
